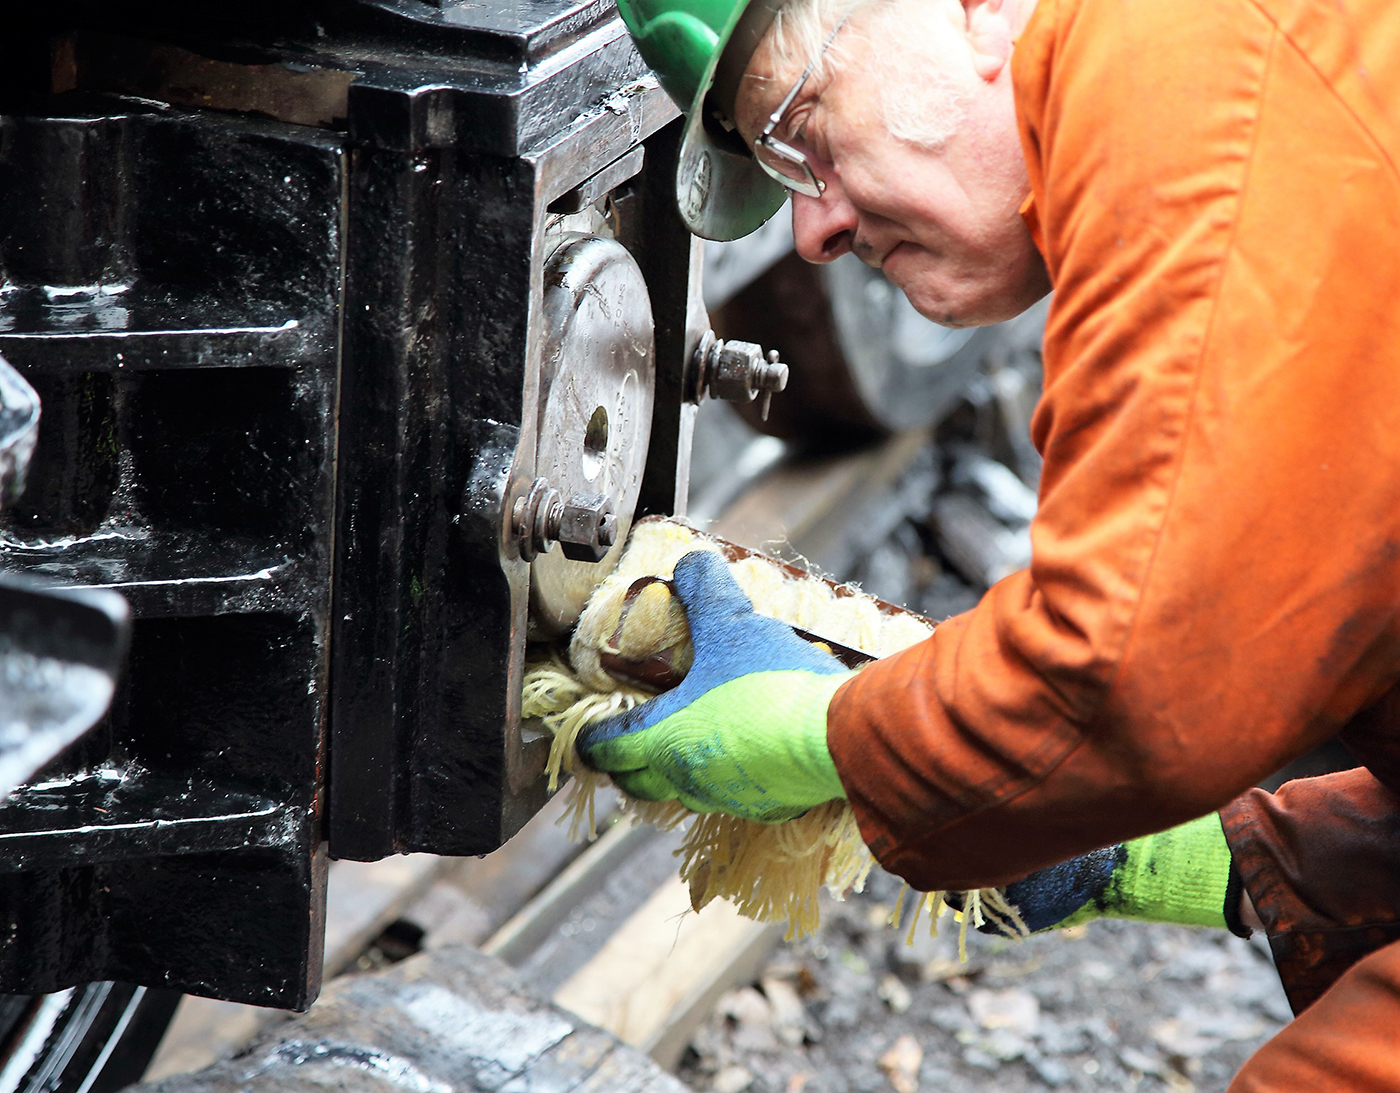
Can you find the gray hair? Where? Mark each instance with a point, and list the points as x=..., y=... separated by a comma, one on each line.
x=919, y=104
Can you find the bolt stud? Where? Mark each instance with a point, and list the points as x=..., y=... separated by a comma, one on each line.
x=585, y=524
x=737, y=371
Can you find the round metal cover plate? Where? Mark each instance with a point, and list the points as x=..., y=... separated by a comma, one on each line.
x=597, y=378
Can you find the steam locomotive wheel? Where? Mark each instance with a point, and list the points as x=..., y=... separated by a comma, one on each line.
x=863, y=361
x=96, y=1038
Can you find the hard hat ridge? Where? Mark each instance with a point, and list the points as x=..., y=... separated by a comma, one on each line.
x=676, y=42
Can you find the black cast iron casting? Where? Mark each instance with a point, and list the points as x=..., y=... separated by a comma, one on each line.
x=275, y=274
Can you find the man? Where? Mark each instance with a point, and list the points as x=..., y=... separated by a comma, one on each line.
x=1211, y=190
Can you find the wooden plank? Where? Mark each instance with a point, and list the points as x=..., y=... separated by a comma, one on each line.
x=655, y=979
x=748, y=955
x=528, y=928
x=364, y=897
x=505, y=881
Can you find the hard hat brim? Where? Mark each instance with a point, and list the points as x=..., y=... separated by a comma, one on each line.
x=721, y=194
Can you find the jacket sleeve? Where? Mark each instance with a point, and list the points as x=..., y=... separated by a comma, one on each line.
x=1321, y=861
x=1215, y=557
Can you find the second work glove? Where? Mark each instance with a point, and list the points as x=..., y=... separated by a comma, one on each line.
x=745, y=731
x=1182, y=875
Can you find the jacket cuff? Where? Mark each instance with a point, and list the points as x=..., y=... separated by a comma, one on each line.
x=1234, y=890
x=1320, y=860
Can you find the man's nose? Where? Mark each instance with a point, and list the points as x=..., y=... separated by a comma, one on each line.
x=823, y=228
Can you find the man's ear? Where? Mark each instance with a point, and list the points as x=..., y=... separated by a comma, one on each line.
x=990, y=34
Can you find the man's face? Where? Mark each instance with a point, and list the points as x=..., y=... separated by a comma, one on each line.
x=940, y=219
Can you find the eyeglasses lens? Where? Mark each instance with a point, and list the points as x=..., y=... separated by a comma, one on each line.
x=788, y=166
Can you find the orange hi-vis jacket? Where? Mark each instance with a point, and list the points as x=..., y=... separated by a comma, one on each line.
x=1215, y=584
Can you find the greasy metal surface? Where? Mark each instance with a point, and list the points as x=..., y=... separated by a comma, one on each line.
x=656, y=235
x=444, y=332
x=591, y=190
x=491, y=78
x=61, y=651
x=446, y=1021
x=431, y=615
x=171, y=289
x=277, y=273
x=60, y=654
x=596, y=385
x=19, y=429
x=112, y=813
x=95, y=1038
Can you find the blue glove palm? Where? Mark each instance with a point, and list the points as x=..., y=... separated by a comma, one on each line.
x=745, y=731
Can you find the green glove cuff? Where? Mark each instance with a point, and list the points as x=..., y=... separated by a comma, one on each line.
x=1179, y=876
x=815, y=755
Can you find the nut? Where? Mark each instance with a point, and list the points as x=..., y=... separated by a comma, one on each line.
x=587, y=527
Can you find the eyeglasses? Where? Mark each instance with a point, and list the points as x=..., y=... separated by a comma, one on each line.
x=781, y=160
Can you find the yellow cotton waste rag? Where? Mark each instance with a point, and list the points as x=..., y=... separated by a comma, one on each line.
x=771, y=872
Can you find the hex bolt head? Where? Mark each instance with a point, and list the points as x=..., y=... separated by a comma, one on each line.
x=736, y=364
x=587, y=527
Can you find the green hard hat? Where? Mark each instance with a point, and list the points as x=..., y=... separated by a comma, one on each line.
x=699, y=50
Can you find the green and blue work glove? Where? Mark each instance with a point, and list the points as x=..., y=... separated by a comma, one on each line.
x=745, y=731
x=1183, y=875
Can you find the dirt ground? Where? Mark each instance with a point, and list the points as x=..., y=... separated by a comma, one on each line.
x=1112, y=1005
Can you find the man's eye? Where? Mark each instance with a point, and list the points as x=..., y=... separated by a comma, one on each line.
x=808, y=137
x=797, y=127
